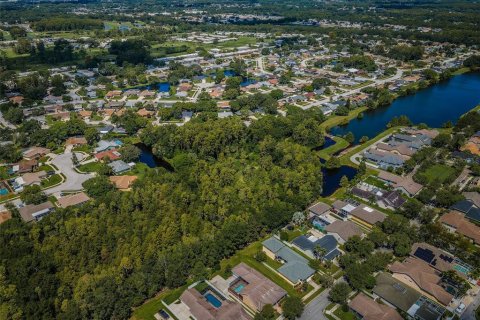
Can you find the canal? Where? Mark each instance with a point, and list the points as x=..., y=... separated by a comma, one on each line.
x=434, y=106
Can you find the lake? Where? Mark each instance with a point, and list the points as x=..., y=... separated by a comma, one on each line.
x=434, y=106
x=147, y=157
x=332, y=177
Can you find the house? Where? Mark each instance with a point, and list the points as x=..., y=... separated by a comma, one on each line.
x=123, y=183
x=343, y=230
x=29, y=179
x=422, y=278
x=113, y=94
x=104, y=145
x=202, y=309
x=456, y=222
x=318, y=209
x=85, y=114
x=366, y=216
x=438, y=259
x=468, y=208
x=25, y=166
x=105, y=129
x=342, y=208
x=404, y=184
x=73, y=200
x=384, y=159
x=295, y=268
x=5, y=216
x=145, y=113
x=35, y=211
x=112, y=155
x=368, y=309
x=119, y=166
x=254, y=289
x=35, y=153
x=398, y=295
x=309, y=244
x=76, y=141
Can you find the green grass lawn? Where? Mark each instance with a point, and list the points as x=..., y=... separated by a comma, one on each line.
x=45, y=168
x=90, y=167
x=344, y=315
x=438, y=172
x=374, y=181
x=51, y=181
x=335, y=120
x=340, y=144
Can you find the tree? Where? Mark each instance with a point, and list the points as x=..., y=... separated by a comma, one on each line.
x=319, y=252
x=33, y=195
x=219, y=76
x=267, y=313
x=130, y=153
x=292, y=307
x=339, y=293
x=350, y=137
x=344, y=182
x=92, y=135
x=98, y=186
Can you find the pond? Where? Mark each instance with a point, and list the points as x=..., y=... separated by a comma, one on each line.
x=161, y=87
x=332, y=177
x=434, y=106
x=328, y=142
x=147, y=157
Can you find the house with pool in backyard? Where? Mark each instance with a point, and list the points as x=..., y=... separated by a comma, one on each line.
x=238, y=297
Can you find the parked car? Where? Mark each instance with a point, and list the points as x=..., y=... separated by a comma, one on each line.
x=460, y=308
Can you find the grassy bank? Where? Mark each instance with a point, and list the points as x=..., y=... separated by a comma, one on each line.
x=338, y=120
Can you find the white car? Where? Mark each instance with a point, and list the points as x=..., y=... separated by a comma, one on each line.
x=460, y=308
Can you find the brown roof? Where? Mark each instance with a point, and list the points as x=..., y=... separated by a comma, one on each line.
x=4, y=216
x=123, y=182
x=145, y=113
x=319, y=208
x=474, y=197
x=441, y=260
x=372, y=310
x=462, y=225
x=36, y=152
x=424, y=276
x=73, y=200
x=201, y=309
x=259, y=290
x=27, y=165
x=345, y=229
x=368, y=214
x=76, y=140
x=85, y=113
x=339, y=204
x=406, y=183
x=28, y=211
x=33, y=177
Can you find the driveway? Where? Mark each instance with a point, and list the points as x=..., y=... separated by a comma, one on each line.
x=314, y=310
x=73, y=179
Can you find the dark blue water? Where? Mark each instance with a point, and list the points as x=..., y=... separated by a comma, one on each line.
x=434, y=106
x=332, y=177
x=247, y=81
x=229, y=73
x=161, y=87
x=147, y=157
x=328, y=142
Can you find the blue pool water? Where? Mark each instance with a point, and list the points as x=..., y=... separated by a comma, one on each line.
x=434, y=106
x=3, y=191
x=213, y=300
x=229, y=73
x=239, y=288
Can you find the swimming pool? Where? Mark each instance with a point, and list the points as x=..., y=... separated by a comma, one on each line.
x=3, y=191
x=239, y=288
x=461, y=269
x=214, y=301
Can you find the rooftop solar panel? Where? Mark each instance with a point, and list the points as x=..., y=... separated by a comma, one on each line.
x=424, y=254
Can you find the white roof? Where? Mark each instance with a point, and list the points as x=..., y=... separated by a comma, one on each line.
x=348, y=208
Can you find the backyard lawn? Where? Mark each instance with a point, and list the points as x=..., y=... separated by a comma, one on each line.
x=90, y=167
x=51, y=181
x=438, y=172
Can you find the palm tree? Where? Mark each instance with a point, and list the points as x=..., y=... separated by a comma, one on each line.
x=319, y=252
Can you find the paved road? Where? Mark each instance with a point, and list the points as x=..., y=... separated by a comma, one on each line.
x=74, y=179
x=469, y=313
x=5, y=123
x=314, y=310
